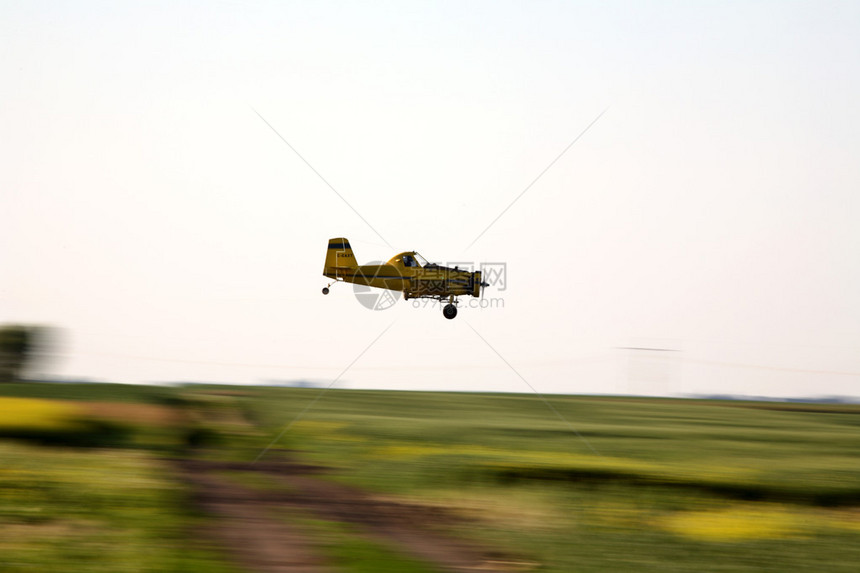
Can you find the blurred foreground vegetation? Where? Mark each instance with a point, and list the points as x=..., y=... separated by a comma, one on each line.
x=645, y=485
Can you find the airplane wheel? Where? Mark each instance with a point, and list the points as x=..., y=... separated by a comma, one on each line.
x=450, y=311
x=325, y=290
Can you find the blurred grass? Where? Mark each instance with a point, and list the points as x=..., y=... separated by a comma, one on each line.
x=93, y=510
x=82, y=488
x=678, y=442
x=676, y=484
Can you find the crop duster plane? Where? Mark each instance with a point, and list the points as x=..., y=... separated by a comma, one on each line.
x=407, y=272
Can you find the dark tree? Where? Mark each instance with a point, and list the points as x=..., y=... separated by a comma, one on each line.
x=17, y=350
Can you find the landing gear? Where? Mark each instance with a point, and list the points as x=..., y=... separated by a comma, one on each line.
x=325, y=290
x=450, y=311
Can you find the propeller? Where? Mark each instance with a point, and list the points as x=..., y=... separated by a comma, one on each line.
x=482, y=284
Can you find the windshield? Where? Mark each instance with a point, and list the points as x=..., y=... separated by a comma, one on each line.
x=421, y=260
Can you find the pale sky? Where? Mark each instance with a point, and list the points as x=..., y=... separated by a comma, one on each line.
x=149, y=213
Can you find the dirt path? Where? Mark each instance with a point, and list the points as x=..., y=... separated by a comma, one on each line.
x=244, y=526
x=259, y=542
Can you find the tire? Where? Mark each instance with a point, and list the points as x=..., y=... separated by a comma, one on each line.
x=450, y=311
x=325, y=290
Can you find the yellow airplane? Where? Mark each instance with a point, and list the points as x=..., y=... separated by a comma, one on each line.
x=407, y=272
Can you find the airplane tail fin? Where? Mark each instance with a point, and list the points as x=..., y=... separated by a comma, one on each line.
x=338, y=257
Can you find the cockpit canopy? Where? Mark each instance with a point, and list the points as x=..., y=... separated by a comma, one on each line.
x=409, y=259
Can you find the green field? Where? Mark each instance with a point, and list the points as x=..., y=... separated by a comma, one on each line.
x=621, y=484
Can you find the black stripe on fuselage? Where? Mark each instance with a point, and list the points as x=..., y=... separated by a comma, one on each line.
x=381, y=277
x=344, y=272
x=339, y=246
